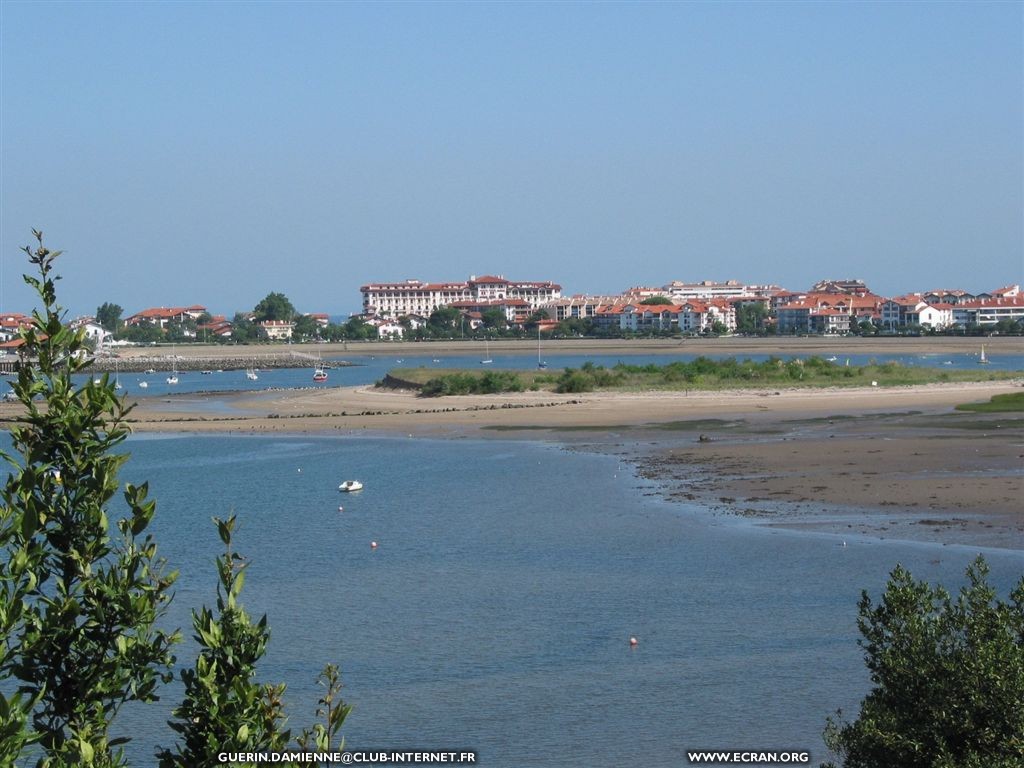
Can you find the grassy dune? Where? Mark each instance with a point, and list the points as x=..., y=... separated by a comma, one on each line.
x=1011, y=403
x=699, y=374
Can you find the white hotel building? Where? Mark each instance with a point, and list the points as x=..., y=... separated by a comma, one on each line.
x=413, y=297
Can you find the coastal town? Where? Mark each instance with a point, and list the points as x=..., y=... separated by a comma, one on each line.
x=415, y=310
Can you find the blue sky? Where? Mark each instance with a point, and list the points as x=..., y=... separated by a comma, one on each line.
x=210, y=153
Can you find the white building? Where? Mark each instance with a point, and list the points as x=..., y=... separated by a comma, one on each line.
x=413, y=297
x=708, y=289
x=277, y=330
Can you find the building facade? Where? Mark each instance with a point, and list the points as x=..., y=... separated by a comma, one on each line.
x=413, y=297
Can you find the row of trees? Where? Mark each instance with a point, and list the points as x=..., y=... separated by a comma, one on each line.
x=245, y=325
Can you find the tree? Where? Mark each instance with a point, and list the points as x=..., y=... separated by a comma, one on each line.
x=224, y=710
x=274, y=306
x=109, y=316
x=444, y=319
x=657, y=300
x=143, y=333
x=357, y=328
x=181, y=331
x=80, y=605
x=305, y=328
x=750, y=318
x=867, y=328
x=494, y=318
x=948, y=678
x=243, y=329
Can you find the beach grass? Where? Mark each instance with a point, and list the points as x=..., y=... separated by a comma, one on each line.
x=701, y=374
x=1008, y=403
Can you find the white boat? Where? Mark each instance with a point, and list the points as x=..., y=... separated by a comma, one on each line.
x=982, y=360
x=350, y=485
x=487, y=353
x=541, y=364
x=319, y=373
x=250, y=373
x=150, y=371
x=173, y=378
x=143, y=384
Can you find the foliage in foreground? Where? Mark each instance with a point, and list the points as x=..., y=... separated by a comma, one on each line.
x=79, y=604
x=224, y=709
x=948, y=678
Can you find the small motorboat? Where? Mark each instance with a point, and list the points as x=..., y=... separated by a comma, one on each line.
x=350, y=485
x=143, y=384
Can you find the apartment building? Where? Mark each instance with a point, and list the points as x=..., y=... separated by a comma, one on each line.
x=413, y=297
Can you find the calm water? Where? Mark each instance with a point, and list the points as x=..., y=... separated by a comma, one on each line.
x=495, y=613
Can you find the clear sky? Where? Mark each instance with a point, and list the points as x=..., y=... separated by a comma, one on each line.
x=209, y=153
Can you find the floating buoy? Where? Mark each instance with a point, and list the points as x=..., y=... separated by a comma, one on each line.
x=299, y=469
x=341, y=509
x=633, y=642
x=373, y=545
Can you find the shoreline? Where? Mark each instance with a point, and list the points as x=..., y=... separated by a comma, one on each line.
x=894, y=463
x=724, y=345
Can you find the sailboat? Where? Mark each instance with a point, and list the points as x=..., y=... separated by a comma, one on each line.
x=173, y=378
x=117, y=375
x=541, y=364
x=982, y=360
x=487, y=352
x=250, y=374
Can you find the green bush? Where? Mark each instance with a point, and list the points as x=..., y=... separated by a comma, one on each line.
x=948, y=678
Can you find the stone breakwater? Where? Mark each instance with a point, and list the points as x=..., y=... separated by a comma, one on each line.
x=219, y=363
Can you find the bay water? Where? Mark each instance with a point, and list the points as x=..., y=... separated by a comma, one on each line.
x=495, y=613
